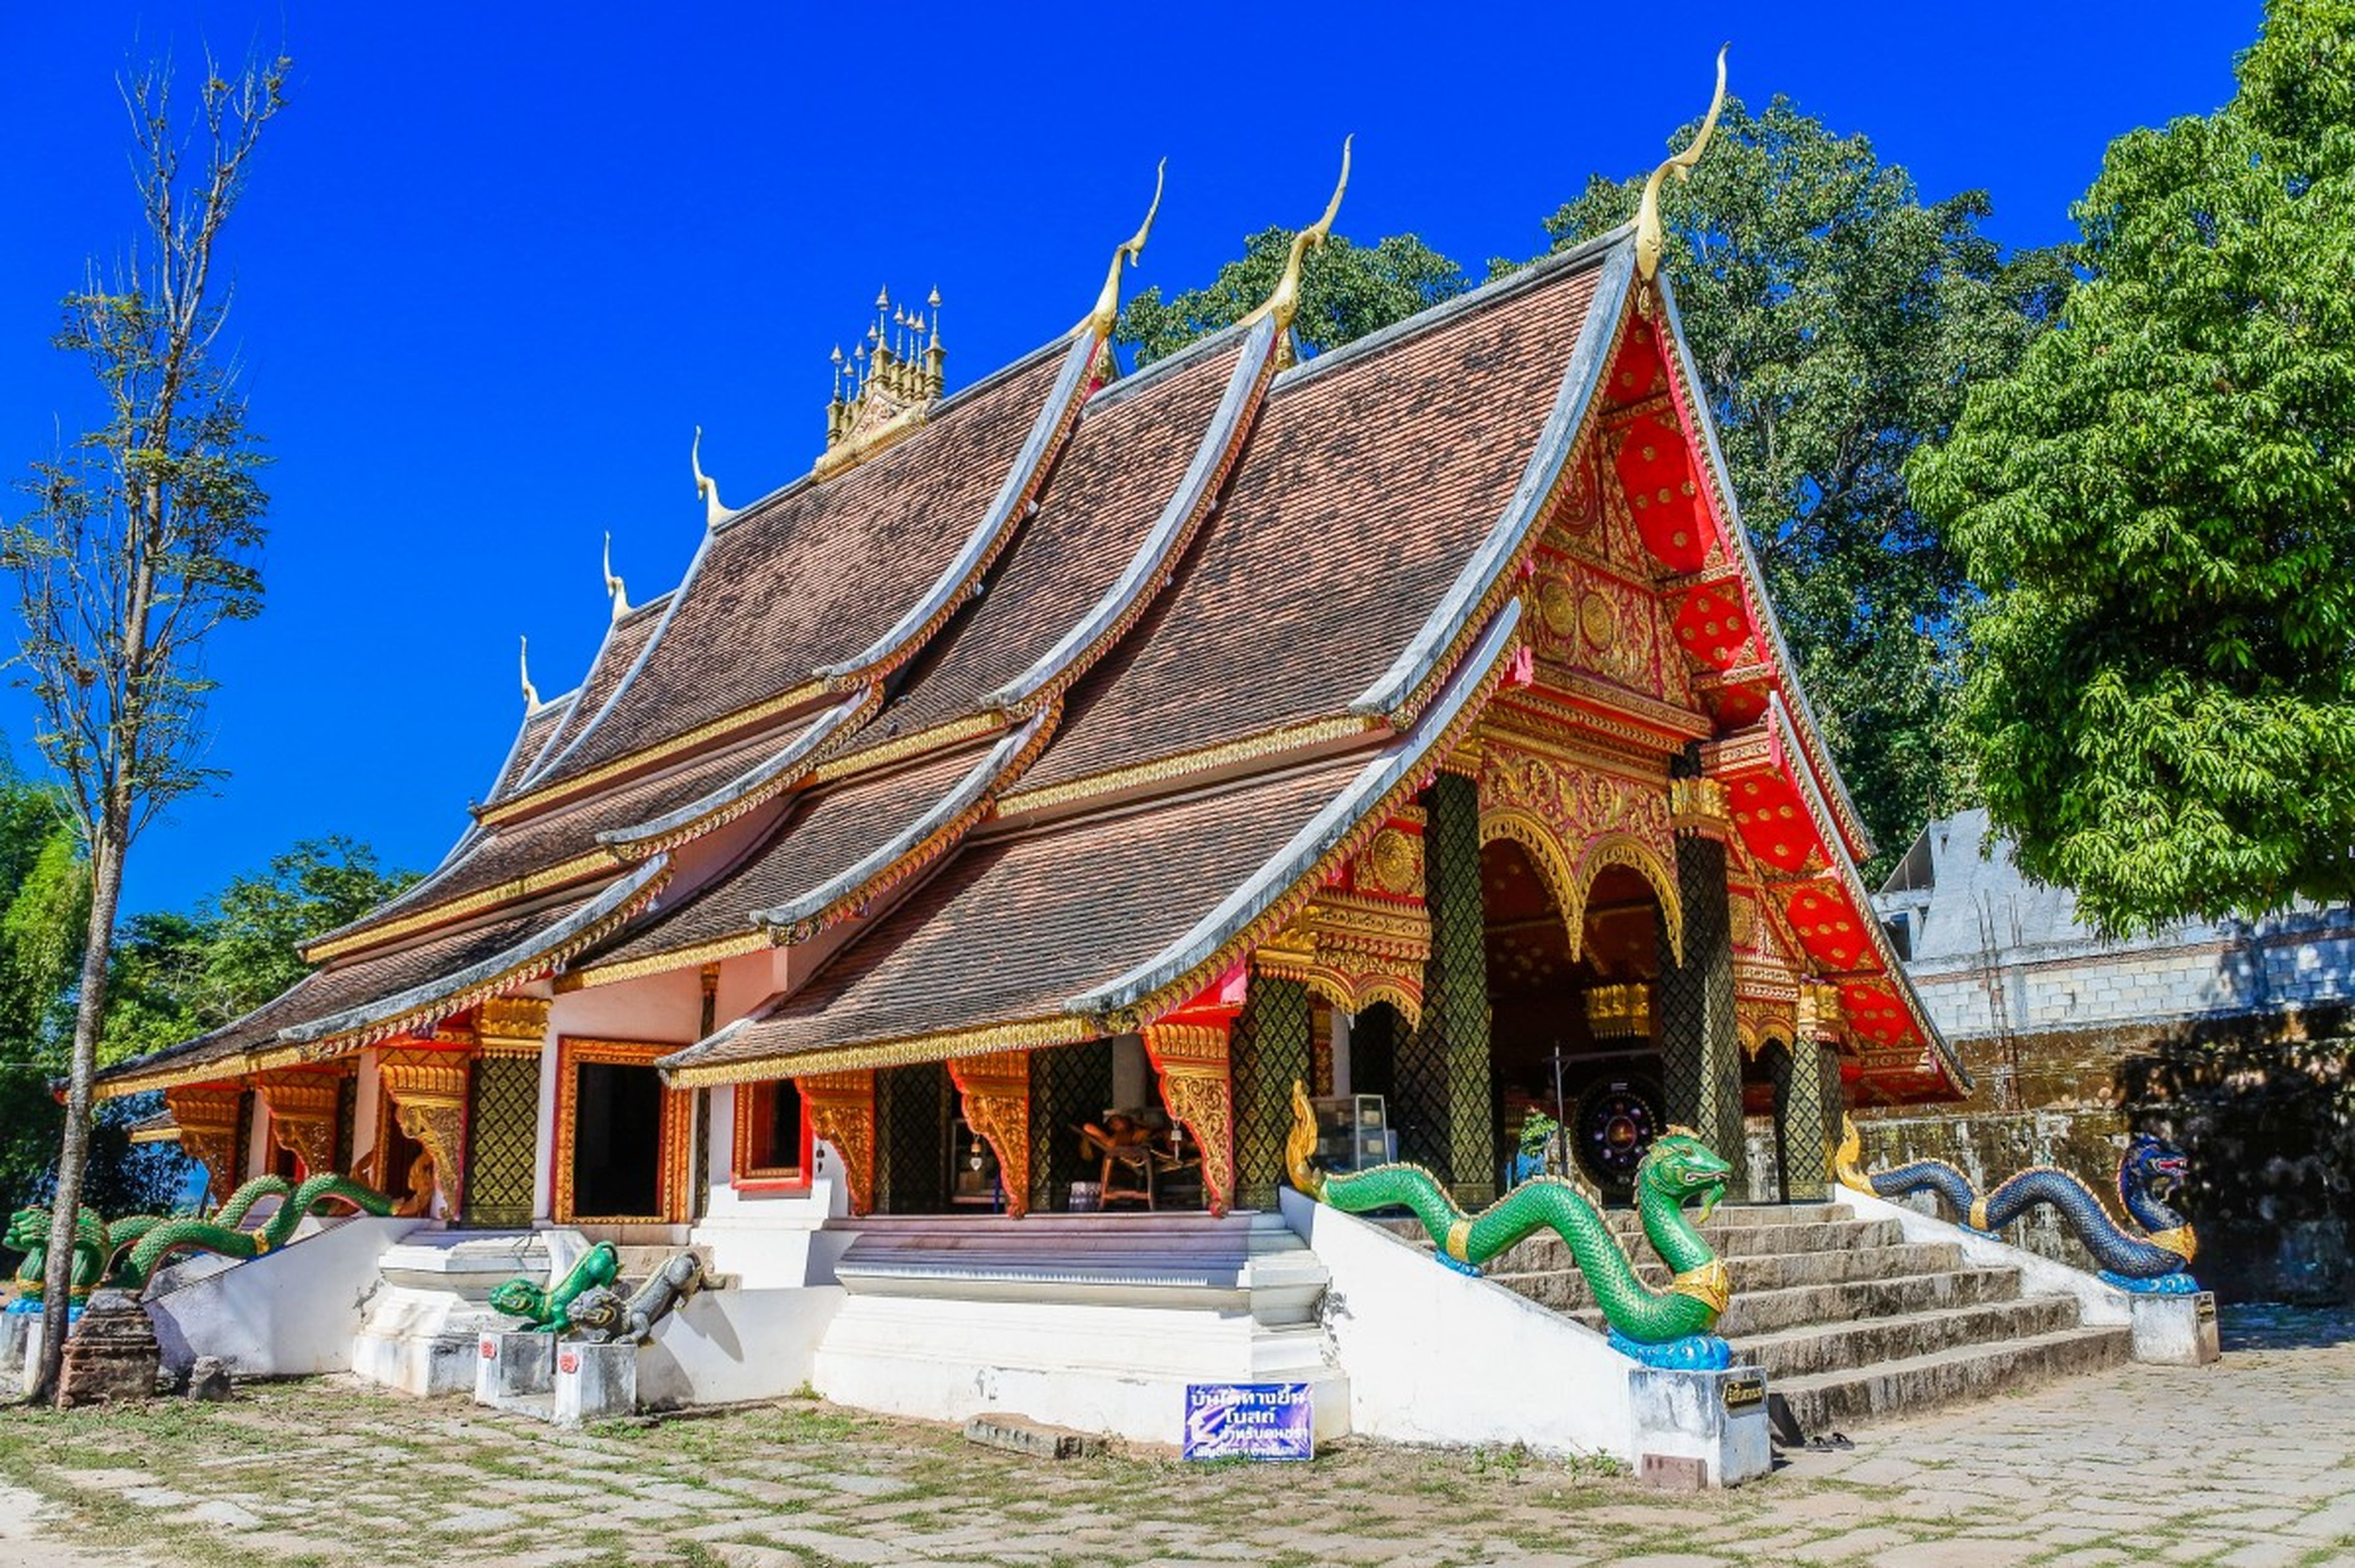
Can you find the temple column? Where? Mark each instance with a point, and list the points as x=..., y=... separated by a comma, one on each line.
x=1700, y=1040
x=1807, y=1096
x=841, y=1110
x=207, y=1120
x=1267, y=1053
x=302, y=1108
x=996, y=1092
x=1194, y=1065
x=429, y=1092
x=1442, y=1068
x=503, y=1117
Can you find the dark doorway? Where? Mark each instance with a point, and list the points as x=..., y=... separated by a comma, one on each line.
x=617, y=1110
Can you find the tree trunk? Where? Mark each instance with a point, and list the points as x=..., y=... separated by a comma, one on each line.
x=73, y=1156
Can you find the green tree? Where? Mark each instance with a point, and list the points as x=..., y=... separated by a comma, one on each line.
x=40, y=947
x=1346, y=291
x=2160, y=501
x=1834, y=318
x=177, y=975
x=141, y=543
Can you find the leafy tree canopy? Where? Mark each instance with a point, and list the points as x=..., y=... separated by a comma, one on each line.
x=179, y=975
x=2160, y=500
x=1833, y=316
x=1346, y=291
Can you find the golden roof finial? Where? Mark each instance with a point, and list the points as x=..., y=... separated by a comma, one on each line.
x=531, y=703
x=614, y=583
x=1285, y=304
x=714, y=514
x=1649, y=241
x=1107, y=316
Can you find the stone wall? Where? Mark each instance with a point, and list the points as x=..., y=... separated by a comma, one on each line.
x=2265, y=1106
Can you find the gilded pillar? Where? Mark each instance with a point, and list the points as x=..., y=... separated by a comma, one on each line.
x=1267, y=1053
x=1442, y=1070
x=997, y=1093
x=503, y=1116
x=841, y=1110
x=1700, y=1040
x=207, y=1120
x=302, y=1108
x=428, y=1090
x=1192, y=1062
x=1807, y=1096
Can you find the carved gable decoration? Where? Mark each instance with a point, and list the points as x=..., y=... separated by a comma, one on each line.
x=1367, y=935
x=1576, y=820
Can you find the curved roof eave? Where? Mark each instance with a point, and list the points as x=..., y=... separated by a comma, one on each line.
x=747, y=788
x=1394, y=766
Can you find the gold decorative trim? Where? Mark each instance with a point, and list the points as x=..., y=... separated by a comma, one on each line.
x=580, y=868
x=1711, y=1283
x=996, y=1094
x=427, y=1092
x=1020, y=1035
x=717, y=951
x=841, y=1110
x=1197, y=1090
x=939, y=736
x=206, y=1120
x=511, y=1026
x=671, y=1152
x=302, y=1109
x=1184, y=765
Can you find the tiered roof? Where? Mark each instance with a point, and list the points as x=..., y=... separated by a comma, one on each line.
x=1031, y=723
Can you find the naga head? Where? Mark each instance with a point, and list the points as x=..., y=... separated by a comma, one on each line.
x=517, y=1298
x=28, y=1228
x=2153, y=1166
x=1681, y=1167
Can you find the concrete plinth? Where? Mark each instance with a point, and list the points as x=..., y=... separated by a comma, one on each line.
x=595, y=1383
x=512, y=1366
x=1716, y=1418
x=15, y=1328
x=2176, y=1330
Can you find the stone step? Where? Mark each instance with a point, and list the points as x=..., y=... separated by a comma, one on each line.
x=1798, y=1306
x=1844, y=1346
x=1857, y=1396
x=1565, y=1286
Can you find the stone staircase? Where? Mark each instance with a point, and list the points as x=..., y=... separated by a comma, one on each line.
x=1851, y=1323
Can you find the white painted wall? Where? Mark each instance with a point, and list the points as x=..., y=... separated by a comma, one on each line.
x=1437, y=1357
x=285, y=1314
x=723, y=1347
x=769, y=1240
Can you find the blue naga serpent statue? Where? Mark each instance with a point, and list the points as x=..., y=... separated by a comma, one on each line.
x=2149, y=1178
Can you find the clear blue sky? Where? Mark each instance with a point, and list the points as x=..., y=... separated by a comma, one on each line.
x=497, y=262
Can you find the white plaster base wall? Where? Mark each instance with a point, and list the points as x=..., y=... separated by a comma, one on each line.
x=288, y=1313
x=1117, y=1369
x=1432, y=1356
x=723, y=1347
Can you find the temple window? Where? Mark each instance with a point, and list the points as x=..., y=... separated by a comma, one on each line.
x=773, y=1136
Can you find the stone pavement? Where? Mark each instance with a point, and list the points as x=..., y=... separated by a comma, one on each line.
x=2251, y=1463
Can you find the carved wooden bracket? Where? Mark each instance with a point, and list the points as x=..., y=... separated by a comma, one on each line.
x=511, y=1026
x=997, y=1090
x=301, y=1116
x=1197, y=1090
x=207, y=1123
x=841, y=1110
x=428, y=1090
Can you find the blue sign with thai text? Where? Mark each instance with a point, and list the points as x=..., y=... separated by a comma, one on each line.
x=1250, y=1421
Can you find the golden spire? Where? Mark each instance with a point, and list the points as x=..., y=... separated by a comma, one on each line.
x=614, y=583
x=531, y=703
x=1285, y=304
x=1107, y=316
x=1648, y=239
x=714, y=514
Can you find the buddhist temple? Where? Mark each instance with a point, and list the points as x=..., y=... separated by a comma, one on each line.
x=1079, y=746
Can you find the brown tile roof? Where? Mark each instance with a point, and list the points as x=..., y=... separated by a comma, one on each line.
x=530, y=736
x=829, y=830
x=1118, y=469
x=624, y=640
x=1366, y=488
x=337, y=987
x=817, y=573
x=1018, y=924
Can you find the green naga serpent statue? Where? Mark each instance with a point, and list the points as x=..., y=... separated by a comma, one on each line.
x=97, y=1247
x=1659, y=1328
x=546, y=1308
x=222, y=1233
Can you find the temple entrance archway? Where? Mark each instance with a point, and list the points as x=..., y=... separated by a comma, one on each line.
x=1583, y=998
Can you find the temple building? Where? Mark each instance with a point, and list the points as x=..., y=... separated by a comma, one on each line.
x=1409, y=721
